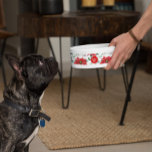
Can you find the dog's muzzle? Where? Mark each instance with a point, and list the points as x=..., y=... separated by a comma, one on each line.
x=52, y=65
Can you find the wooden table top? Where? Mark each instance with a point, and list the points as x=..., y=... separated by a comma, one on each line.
x=77, y=24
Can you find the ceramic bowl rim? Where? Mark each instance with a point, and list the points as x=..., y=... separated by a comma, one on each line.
x=92, y=48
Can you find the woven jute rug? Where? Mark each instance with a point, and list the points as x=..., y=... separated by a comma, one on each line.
x=93, y=116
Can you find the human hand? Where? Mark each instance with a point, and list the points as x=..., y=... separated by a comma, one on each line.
x=124, y=47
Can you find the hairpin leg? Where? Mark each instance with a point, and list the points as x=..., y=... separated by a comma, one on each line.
x=52, y=51
x=104, y=79
x=69, y=89
x=130, y=86
x=61, y=75
x=50, y=45
x=126, y=74
x=125, y=78
x=70, y=82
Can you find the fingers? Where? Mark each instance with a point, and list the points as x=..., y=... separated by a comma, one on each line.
x=113, y=60
x=113, y=42
x=108, y=67
x=119, y=62
x=116, y=61
x=124, y=47
x=124, y=60
x=110, y=64
x=117, y=65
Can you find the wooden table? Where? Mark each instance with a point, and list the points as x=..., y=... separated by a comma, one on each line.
x=76, y=24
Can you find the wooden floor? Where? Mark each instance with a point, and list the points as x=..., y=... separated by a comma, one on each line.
x=38, y=146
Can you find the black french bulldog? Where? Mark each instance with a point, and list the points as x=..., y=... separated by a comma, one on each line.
x=20, y=112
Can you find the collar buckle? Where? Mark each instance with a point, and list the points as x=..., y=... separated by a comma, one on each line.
x=34, y=113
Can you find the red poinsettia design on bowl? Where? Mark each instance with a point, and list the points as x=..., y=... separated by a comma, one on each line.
x=105, y=59
x=80, y=61
x=94, y=58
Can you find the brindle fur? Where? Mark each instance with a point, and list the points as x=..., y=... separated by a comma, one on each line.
x=31, y=76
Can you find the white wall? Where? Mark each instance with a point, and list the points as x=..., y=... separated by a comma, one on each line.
x=66, y=42
x=141, y=5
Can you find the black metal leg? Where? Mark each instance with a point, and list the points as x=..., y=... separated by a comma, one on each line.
x=130, y=86
x=50, y=45
x=70, y=82
x=61, y=76
x=126, y=74
x=69, y=89
x=2, y=64
x=125, y=78
x=104, y=80
x=52, y=51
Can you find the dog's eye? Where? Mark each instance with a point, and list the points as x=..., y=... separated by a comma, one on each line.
x=24, y=73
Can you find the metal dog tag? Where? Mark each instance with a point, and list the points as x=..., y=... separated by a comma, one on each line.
x=42, y=123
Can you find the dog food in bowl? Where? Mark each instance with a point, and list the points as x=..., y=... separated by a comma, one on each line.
x=91, y=55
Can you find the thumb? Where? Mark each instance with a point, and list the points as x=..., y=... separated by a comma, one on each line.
x=113, y=42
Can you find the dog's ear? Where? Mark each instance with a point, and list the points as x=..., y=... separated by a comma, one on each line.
x=14, y=62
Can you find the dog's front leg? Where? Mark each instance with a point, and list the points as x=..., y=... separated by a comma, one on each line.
x=7, y=146
x=26, y=149
x=22, y=148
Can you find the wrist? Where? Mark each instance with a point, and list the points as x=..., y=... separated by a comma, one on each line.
x=141, y=28
x=133, y=36
x=138, y=34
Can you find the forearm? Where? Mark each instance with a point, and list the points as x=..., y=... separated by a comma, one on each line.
x=125, y=43
x=144, y=24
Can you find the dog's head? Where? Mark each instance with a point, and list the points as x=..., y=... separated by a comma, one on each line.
x=34, y=71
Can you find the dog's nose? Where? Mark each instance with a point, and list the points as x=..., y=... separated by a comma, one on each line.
x=52, y=61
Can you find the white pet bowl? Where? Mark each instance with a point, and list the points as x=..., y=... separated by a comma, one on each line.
x=91, y=55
